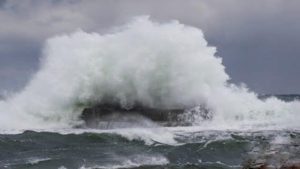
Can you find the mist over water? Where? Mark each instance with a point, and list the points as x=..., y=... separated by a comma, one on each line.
x=155, y=65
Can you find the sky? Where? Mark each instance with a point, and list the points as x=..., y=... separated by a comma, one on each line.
x=259, y=40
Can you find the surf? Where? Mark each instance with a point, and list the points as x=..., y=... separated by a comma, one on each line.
x=143, y=63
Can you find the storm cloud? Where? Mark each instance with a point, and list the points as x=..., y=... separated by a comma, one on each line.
x=258, y=40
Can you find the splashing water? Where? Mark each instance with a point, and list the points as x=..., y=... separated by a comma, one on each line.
x=166, y=65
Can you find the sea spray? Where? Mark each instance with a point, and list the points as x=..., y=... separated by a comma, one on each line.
x=167, y=65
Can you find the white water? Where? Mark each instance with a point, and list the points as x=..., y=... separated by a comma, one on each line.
x=134, y=161
x=156, y=65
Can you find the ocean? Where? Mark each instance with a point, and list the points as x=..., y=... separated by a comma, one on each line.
x=161, y=148
x=202, y=149
x=138, y=67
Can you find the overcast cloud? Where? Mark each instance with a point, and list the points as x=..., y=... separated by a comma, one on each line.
x=259, y=40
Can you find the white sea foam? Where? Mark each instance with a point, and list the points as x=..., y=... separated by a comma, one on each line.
x=143, y=62
x=135, y=161
x=37, y=160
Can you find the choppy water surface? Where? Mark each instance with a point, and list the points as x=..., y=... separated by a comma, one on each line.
x=202, y=149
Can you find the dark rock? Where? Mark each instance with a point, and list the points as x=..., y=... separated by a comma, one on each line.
x=291, y=165
x=104, y=112
x=100, y=113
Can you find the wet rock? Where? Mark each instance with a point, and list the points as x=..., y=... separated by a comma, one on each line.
x=106, y=112
x=291, y=165
x=100, y=113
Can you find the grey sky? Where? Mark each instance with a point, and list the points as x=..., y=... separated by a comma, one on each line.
x=259, y=40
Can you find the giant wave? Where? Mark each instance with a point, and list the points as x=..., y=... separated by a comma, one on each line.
x=156, y=65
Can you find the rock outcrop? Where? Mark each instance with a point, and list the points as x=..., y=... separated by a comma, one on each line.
x=108, y=113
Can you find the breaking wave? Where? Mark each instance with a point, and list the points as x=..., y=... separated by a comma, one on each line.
x=167, y=65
